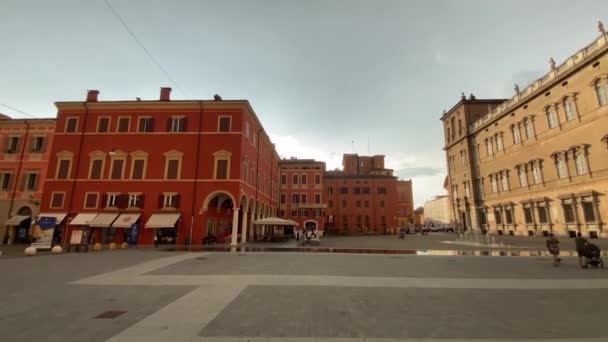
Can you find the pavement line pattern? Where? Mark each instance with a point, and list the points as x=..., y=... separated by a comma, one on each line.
x=371, y=339
x=183, y=319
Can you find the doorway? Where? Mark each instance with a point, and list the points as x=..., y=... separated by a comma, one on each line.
x=22, y=231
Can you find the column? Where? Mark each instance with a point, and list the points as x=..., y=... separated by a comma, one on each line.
x=244, y=227
x=235, y=226
x=251, y=226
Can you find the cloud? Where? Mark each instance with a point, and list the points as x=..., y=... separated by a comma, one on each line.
x=411, y=172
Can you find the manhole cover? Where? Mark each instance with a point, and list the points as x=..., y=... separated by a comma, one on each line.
x=110, y=314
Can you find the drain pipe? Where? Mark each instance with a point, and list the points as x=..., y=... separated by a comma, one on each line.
x=198, y=149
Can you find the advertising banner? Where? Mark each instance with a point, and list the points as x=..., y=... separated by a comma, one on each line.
x=43, y=232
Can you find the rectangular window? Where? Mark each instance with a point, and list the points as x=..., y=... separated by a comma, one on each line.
x=295, y=198
x=224, y=124
x=561, y=168
x=123, y=125
x=489, y=147
x=294, y=179
x=12, y=145
x=494, y=182
x=63, y=169
x=111, y=200
x=134, y=200
x=528, y=215
x=103, y=125
x=146, y=125
x=505, y=181
x=570, y=109
x=294, y=213
x=498, y=215
x=358, y=203
x=568, y=209
x=542, y=214
x=117, y=168
x=581, y=164
x=499, y=144
x=283, y=198
x=304, y=179
x=602, y=93
x=356, y=191
x=365, y=191
x=170, y=201
x=37, y=144
x=317, y=179
x=303, y=198
x=283, y=179
x=6, y=182
x=343, y=203
x=71, y=125
x=57, y=200
x=516, y=135
x=529, y=126
x=523, y=177
x=138, y=169
x=90, y=201
x=552, y=118
x=343, y=190
x=536, y=174
x=317, y=198
x=96, y=169
x=31, y=182
x=178, y=124
x=366, y=203
x=588, y=211
x=222, y=169
x=508, y=216
x=382, y=191
x=173, y=169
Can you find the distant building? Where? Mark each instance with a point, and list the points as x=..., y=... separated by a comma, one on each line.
x=535, y=163
x=301, y=196
x=437, y=212
x=419, y=216
x=362, y=198
x=405, y=202
x=23, y=164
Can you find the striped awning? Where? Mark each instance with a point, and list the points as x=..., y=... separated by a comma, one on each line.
x=103, y=220
x=83, y=219
x=125, y=220
x=164, y=220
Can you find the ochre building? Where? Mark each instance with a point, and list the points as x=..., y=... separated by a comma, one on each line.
x=537, y=162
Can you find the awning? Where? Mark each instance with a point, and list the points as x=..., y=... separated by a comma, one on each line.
x=274, y=221
x=103, y=220
x=125, y=220
x=58, y=216
x=16, y=220
x=163, y=220
x=83, y=219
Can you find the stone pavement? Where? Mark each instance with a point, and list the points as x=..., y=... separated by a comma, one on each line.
x=213, y=297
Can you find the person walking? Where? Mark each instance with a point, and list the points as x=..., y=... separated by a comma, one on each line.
x=553, y=247
x=155, y=239
x=580, y=243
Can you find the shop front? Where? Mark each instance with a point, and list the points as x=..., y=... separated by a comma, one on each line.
x=165, y=227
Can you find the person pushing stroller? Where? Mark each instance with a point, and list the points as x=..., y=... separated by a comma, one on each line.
x=588, y=253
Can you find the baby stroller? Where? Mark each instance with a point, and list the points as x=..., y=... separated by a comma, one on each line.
x=592, y=256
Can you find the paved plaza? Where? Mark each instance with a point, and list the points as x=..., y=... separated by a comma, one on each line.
x=156, y=295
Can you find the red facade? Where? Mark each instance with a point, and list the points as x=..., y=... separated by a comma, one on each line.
x=301, y=196
x=209, y=163
x=362, y=198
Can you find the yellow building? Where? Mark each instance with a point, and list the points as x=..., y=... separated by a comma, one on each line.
x=538, y=162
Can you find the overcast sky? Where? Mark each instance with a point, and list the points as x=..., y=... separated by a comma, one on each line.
x=320, y=74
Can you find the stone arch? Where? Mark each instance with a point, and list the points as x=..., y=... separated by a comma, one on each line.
x=223, y=196
x=243, y=202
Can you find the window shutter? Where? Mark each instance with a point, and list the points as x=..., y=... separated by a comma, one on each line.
x=141, y=201
x=122, y=201
x=104, y=201
x=43, y=144
x=177, y=200
x=151, y=125
x=32, y=143
x=23, y=182
x=184, y=124
x=169, y=122
x=10, y=181
x=161, y=198
x=36, y=181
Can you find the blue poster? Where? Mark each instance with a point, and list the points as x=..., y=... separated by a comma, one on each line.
x=133, y=234
x=43, y=232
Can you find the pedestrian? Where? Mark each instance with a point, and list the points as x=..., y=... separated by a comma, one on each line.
x=553, y=247
x=155, y=240
x=580, y=243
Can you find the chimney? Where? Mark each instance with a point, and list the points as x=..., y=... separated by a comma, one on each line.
x=92, y=95
x=165, y=94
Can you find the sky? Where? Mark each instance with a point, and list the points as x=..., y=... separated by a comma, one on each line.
x=324, y=77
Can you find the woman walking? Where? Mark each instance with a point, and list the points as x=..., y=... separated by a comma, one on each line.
x=553, y=247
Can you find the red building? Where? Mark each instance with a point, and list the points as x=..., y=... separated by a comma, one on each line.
x=405, y=202
x=180, y=170
x=301, y=196
x=24, y=146
x=362, y=198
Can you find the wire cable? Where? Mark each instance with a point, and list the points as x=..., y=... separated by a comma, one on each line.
x=126, y=27
x=19, y=111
